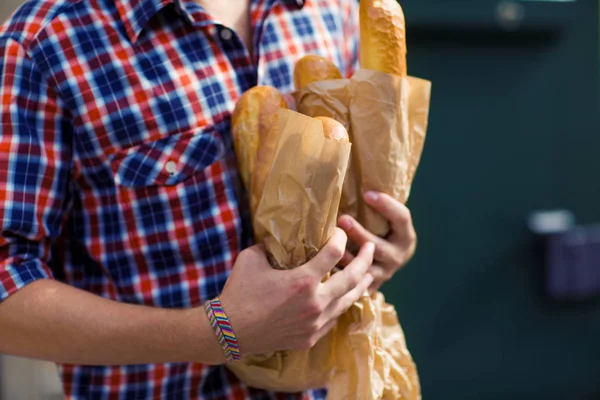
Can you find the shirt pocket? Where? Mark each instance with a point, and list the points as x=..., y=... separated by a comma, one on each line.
x=168, y=161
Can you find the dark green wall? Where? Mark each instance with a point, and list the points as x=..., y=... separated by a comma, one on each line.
x=515, y=127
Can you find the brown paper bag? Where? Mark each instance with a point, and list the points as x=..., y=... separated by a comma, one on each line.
x=295, y=217
x=331, y=99
x=365, y=355
x=388, y=139
x=388, y=117
x=325, y=99
x=298, y=210
x=371, y=360
x=288, y=371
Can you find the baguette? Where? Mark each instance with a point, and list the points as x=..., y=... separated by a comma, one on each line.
x=382, y=37
x=254, y=129
x=312, y=68
x=333, y=130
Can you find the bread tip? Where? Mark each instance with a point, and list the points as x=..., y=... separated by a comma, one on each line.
x=334, y=130
x=312, y=68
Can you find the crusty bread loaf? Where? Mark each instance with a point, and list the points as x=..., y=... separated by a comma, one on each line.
x=334, y=130
x=254, y=129
x=382, y=37
x=313, y=68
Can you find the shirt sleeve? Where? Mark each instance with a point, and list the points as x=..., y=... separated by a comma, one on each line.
x=35, y=161
x=351, y=35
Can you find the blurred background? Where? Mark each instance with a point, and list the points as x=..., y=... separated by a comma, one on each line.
x=491, y=309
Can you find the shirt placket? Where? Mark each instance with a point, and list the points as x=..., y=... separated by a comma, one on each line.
x=232, y=47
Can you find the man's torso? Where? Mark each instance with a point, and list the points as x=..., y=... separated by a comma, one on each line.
x=156, y=214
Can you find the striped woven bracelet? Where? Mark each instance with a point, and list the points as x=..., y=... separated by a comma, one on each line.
x=223, y=331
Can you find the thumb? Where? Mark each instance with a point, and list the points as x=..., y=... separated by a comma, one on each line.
x=330, y=255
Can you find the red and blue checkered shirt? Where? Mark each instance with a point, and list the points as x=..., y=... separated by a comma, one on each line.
x=117, y=171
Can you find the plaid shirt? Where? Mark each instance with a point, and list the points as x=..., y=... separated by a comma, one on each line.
x=117, y=171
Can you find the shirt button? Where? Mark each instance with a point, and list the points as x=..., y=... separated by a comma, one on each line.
x=171, y=167
x=226, y=34
x=300, y=3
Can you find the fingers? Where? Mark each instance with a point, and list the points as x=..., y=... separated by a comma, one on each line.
x=346, y=259
x=352, y=276
x=355, y=231
x=341, y=305
x=329, y=256
x=380, y=276
x=392, y=210
x=385, y=252
x=325, y=330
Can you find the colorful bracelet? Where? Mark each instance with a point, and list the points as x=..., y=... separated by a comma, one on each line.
x=223, y=331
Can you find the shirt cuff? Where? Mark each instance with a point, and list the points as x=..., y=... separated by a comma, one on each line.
x=14, y=277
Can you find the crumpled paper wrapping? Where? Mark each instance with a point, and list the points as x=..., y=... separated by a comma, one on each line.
x=331, y=99
x=387, y=116
x=294, y=219
x=288, y=371
x=365, y=356
x=371, y=360
x=298, y=210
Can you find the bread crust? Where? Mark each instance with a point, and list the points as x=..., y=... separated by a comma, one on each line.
x=382, y=37
x=312, y=68
x=254, y=130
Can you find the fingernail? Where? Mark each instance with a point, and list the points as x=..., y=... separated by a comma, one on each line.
x=346, y=223
x=371, y=196
x=371, y=247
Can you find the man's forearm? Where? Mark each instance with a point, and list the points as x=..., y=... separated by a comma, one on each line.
x=55, y=322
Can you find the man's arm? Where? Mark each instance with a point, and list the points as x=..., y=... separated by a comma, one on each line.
x=52, y=321
x=39, y=317
x=55, y=322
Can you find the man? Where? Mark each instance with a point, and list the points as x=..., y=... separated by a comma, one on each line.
x=120, y=202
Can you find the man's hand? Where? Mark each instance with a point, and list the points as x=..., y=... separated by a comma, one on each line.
x=393, y=251
x=272, y=310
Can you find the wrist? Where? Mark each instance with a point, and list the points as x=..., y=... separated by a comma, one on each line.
x=241, y=323
x=222, y=329
x=201, y=340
